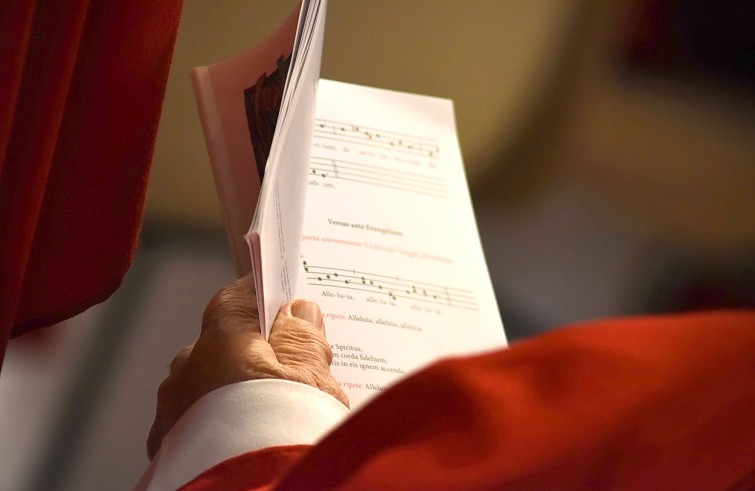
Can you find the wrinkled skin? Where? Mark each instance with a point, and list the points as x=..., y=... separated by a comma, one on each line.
x=231, y=349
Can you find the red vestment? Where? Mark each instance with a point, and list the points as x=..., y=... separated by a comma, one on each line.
x=81, y=88
x=663, y=402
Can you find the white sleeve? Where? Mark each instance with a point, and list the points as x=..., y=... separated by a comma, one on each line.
x=240, y=418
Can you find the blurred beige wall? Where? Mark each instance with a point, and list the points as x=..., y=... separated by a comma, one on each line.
x=493, y=58
x=541, y=96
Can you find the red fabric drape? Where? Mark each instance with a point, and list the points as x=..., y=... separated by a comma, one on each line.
x=645, y=403
x=81, y=90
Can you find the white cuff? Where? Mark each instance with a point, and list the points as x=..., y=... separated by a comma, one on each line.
x=240, y=418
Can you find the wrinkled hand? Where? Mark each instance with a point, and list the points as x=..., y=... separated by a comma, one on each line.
x=231, y=349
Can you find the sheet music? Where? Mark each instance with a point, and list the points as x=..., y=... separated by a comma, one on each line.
x=418, y=293
x=363, y=208
x=390, y=249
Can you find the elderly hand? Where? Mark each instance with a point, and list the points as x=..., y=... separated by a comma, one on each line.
x=230, y=349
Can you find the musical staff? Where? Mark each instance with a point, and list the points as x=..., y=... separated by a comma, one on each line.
x=385, y=140
x=378, y=176
x=393, y=287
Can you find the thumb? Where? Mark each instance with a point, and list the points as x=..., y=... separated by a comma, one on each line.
x=298, y=341
x=298, y=336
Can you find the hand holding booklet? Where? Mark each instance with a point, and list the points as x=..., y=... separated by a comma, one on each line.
x=357, y=200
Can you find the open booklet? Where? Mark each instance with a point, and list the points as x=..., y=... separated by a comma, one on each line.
x=360, y=204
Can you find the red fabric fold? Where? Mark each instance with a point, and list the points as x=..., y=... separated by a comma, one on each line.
x=81, y=103
x=264, y=468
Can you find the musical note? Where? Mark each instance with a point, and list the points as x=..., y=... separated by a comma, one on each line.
x=352, y=279
x=399, y=142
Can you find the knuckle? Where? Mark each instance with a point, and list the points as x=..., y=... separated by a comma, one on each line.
x=212, y=312
x=180, y=359
x=164, y=390
x=234, y=301
x=328, y=353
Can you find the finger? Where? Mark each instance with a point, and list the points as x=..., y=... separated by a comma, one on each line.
x=167, y=413
x=160, y=427
x=299, y=340
x=233, y=308
x=154, y=440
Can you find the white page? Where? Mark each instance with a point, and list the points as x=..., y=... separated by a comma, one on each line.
x=390, y=248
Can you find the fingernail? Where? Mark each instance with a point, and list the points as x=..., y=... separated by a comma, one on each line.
x=307, y=311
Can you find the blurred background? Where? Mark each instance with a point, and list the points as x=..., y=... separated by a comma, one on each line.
x=610, y=152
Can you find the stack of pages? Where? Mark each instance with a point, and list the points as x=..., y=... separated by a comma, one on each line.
x=357, y=200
